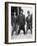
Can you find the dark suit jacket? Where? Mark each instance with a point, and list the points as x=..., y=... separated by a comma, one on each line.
x=29, y=21
x=21, y=20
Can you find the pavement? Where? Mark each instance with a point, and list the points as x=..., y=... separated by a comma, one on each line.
x=21, y=35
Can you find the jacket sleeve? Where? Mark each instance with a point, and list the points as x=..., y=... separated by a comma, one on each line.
x=24, y=19
x=17, y=20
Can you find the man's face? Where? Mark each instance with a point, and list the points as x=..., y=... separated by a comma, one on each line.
x=21, y=12
x=28, y=13
x=14, y=14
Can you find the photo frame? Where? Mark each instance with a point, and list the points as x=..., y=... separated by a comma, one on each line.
x=15, y=8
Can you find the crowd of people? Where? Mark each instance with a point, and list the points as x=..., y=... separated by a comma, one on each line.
x=20, y=21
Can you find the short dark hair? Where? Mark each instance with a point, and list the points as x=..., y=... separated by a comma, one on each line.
x=28, y=11
x=21, y=10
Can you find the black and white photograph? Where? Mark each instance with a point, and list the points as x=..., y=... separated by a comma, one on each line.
x=20, y=22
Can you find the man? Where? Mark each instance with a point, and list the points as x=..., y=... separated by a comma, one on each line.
x=29, y=22
x=14, y=23
x=21, y=21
